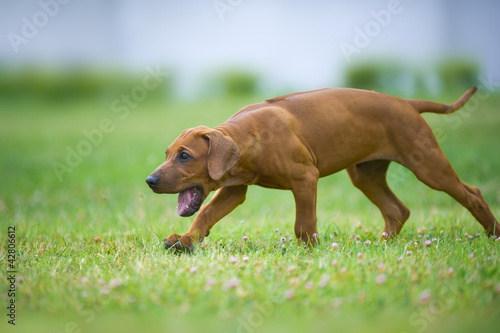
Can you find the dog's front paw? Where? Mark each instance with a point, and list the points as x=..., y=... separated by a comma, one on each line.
x=179, y=243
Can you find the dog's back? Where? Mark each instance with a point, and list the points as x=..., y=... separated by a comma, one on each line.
x=345, y=126
x=340, y=126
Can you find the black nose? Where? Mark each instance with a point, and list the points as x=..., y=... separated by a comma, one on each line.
x=152, y=181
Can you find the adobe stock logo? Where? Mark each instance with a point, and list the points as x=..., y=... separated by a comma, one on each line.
x=371, y=30
x=223, y=6
x=31, y=27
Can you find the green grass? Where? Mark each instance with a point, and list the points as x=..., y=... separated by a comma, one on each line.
x=90, y=254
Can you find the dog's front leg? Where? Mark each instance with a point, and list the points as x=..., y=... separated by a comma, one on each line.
x=224, y=201
x=305, y=193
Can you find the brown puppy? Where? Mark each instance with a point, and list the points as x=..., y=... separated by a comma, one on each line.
x=289, y=142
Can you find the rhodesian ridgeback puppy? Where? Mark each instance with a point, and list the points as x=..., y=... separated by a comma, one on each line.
x=290, y=141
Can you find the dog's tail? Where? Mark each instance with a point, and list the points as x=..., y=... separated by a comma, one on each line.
x=426, y=106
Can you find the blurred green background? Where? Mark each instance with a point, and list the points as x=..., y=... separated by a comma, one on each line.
x=92, y=93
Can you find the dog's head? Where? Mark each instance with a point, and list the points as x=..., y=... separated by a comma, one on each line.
x=194, y=165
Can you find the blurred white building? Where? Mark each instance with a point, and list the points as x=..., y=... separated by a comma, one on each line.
x=292, y=44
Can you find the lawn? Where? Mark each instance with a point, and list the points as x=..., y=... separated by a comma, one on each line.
x=89, y=254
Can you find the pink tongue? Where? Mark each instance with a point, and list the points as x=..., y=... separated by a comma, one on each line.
x=184, y=199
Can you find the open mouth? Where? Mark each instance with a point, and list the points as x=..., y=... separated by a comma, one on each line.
x=189, y=201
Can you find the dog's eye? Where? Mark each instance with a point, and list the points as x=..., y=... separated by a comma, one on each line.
x=184, y=157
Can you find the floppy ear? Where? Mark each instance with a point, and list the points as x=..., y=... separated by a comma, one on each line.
x=223, y=154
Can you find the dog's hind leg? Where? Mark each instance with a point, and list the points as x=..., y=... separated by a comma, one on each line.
x=370, y=178
x=431, y=167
